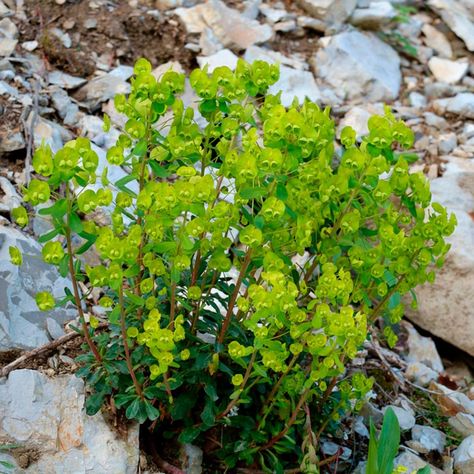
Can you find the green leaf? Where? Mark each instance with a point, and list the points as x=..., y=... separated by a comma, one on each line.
x=132, y=409
x=64, y=266
x=207, y=106
x=207, y=416
x=48, y=236
x=389, y=442
x=281, y=192
x=120, y=184
x=188, y=435
x=75, y=223
x=372, y=463
x=158, y=170
x=424, y=470
x=253, y=193
x=140, y=148
x=58, y=209
x=152, y=412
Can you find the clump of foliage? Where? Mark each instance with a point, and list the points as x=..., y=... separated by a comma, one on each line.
x=243, y=265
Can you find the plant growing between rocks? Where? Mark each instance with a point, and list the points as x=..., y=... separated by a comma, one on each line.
x=243, y=267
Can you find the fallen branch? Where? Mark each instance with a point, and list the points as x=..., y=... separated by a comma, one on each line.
x=41, y=350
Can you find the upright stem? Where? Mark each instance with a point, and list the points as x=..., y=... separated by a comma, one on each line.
x=233, y=298
x=128, y=359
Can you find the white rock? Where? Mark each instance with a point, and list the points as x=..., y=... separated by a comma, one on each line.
x=446, y=308
x=105, y=87
x=357, y=118
x=12, y=141
x=10, y=198
x=413, y=462
x=461, y=104
x=169, y=66
x=66, y=108
x=7, y=46
x=406, y=419
x=447, y=143
x=285, y=26
x=330, y=448
x=375, y=16
x=66, y=81
x=225, y=57
x=422, y=349
x=8, y=29
x=420, y=373
x=22, y=324
x=292, y=83
x=50, y=132
x=29, y=45
x=464, y=456
x=437, y=40
x=311, y=23
x=331, y=11
x=463, y=423
x=273, y=14
x=434, y=120
x=4, y=11
x=295, y=61
x=445, y=70
x=48, y=415
x=455, y=401
x=193, y=456
x=359, y=66
x=63, y=37
x=231, y=28
x=458, y=16
x=428, y=438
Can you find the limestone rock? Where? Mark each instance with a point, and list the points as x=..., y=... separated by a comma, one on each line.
x=405, y=417
x=22, y=324
x=359, y=66
x=437, y=40
x=413, y=462
x=9, y=198
x=464, y=456
x=463, y=423
x=445, y=70
x=452, y=402
x=375, y=16
x=458, y=16
x=225, y=57
x=48, y=414
x=330, y=11
x=461, y=104
x=66, y=81
x=422, y=349
x=427, y=439
x=229, y=26
x=446, y=308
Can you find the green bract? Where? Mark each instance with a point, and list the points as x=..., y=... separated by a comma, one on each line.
x=245, y=261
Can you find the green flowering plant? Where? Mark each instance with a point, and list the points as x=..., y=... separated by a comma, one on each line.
x=245, y=261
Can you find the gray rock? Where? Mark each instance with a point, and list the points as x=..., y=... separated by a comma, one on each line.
x=428, y=439
x=464, y=456
x=376, y=15
x=10, y=198
x=437, y=40
x=417, y=100
x=446, y=308
x=445, y=70
x=105, y=87
x=193, y=455
x=406, y=419
x=48, y=414
x=330, y=11
x=420, y=373
x=463, y=423
x=274, y=14
x=7, y=46
x=8, y=29
x=22, y=324
x=447, y=143
x=357, y=118
x=12, y=141
x=434, y=120
x=285, y=26
x=230, y=27
x=457, y=402
x=458, y=16
x=330, y=449
x=30, y=45
x=359, y=66
x=63, y=37
x=50, y=132
x=311, y=23
x=461, y=104
x=422, y=349
x=66, y=108
x=292, y=83
x=66, y=81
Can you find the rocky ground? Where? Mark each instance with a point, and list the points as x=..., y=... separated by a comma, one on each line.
x=62, y=61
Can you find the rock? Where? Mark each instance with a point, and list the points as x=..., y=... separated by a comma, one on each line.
x=66, y=81
x=413, y=462
x=4, y=11
x=330, y=11
x=7, y=46
x=29, y=45
x=61, y=36
x=359, y=66
x=427, y=439
x=311, y=23
x=464, y=456
x=292, y=83
x=50, y=132
x=8, y=29
x=420, y=373
x=463, y=423
x=375, y=16
x=436, y=40
x=273, y=14
x=452, y=402
x=461, y=104
x=225, y=57
x=405, y=417
x=330, y=449
x=10, y=198
x=66, y=108
x=193, y=455
x=255, y=52
x=230, y=27
x=105, y=87
x=22, y=324
x=417, y=100
x=47, y=415
x=447, y=143
x=434, y=120
x=12, y=141
x=90, y=23
x=445, y=70
x=456, y=14
x=285, y=26
x=422, y=349
x=357, y=118
x=446, y=308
